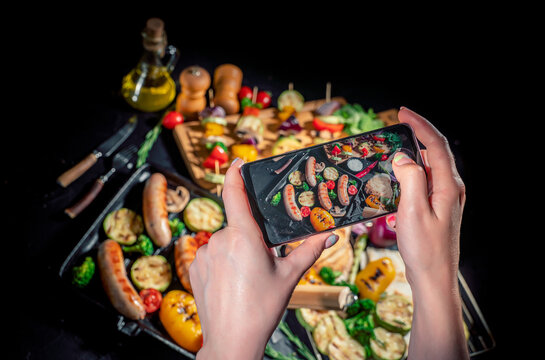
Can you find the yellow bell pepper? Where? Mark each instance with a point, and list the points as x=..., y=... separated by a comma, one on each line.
x=178, y=314
x=246, y=152
x=311, y=277
x=213, y=129
x=375, y=278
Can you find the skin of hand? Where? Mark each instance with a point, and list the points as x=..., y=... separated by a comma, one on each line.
x=428, y=235
x=240, y=287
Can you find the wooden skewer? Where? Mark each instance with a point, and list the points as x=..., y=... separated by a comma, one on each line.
x=290, y=86
x=328, y=92
x=211, y=97
x=254, y=95
x=217, y=171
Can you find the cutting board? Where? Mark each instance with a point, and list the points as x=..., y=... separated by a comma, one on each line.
x=188, y=137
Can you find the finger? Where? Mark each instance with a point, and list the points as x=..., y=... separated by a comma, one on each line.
x=306, y=254
x=441, y=159
x=413, y=183
x=447, y=183
x=235, y=200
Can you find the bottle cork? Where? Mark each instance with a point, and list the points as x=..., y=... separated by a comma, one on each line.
x=154, y=35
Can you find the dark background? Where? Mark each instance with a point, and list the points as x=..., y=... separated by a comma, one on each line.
x=443, y=68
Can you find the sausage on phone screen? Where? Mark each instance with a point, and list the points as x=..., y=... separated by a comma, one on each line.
x=342, y=190
x=310, y=171
x=155, y=210
x=117, y=285
x=323, y=196
x=289, y=202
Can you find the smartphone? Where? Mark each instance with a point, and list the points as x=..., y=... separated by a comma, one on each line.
x=327, y=186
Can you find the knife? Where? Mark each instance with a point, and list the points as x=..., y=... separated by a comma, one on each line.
x=103, y=150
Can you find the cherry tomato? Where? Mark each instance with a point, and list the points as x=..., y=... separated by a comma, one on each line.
x=263, y=98
x=202, y=237
x=172, y=118
x=383, y=157
x=330, y=184
x=352, y=190
x=250, y=110
x=152, y=299
x=305, y=211
x=245, y=92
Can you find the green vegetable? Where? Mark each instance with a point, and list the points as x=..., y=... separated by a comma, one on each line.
x=273, y=354
x=82, y=275
x=330, y=277
x=148, y=143
x=301, y=348
x=332, y=194
x=143, y=246
x=357, y=120
x=360, y=323
x=359, y=247
x=276, y=199
x=176, y=227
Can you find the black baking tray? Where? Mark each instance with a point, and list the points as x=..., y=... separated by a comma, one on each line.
x=130, y=196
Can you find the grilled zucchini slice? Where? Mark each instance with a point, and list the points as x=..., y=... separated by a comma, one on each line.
x=387, y=345
x=151, y=272
x=123, y=225
x=203, y=214
x=394, y=312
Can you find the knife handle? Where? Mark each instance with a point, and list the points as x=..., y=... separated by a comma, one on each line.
x=77, y=170
x=320, y=297
x=78, y=207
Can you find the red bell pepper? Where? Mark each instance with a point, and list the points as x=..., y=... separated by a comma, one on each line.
x=322, y=125
x=218, y=154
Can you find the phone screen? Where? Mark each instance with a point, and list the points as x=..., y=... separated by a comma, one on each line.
x=327, y=186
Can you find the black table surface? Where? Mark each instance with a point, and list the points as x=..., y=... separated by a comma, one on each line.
x=77, y=105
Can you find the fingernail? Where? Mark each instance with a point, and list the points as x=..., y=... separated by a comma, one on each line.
x=236, y=161
x=331, y=240
x=401, y=159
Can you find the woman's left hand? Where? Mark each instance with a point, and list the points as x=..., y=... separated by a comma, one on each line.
x=240, y=287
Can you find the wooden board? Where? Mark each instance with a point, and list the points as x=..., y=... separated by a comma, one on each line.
x=188, y=136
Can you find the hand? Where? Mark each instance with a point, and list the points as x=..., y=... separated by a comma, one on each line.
x=428, y=235
x=241, y=289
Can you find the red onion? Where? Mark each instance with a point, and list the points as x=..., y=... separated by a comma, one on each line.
x=381, y=233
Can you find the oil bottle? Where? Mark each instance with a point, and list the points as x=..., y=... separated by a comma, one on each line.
x=149, y=87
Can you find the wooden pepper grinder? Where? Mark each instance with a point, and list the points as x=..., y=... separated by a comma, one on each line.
x=194, y=81
x=227, y=83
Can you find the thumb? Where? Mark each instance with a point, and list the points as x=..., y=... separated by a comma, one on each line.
x=413, y=182
x=306, y=254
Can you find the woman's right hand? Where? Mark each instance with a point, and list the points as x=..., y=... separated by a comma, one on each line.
x=428, y=235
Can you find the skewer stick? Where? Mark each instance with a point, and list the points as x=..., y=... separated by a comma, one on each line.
x=290, y=86
x=328, y=92
x=217, y=171
x=254, y=95
x=211, y=97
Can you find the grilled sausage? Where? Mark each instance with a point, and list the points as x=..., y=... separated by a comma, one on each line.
x=289, y=202
x=310, y=171
x=155, y=210
x=185, y=251
x=119, y=289
x=342, y=190
x=323, y=196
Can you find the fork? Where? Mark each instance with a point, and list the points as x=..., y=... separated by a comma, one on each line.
x=121, y=161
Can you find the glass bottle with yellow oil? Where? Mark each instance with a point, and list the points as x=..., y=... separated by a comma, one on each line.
x=149, y=87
